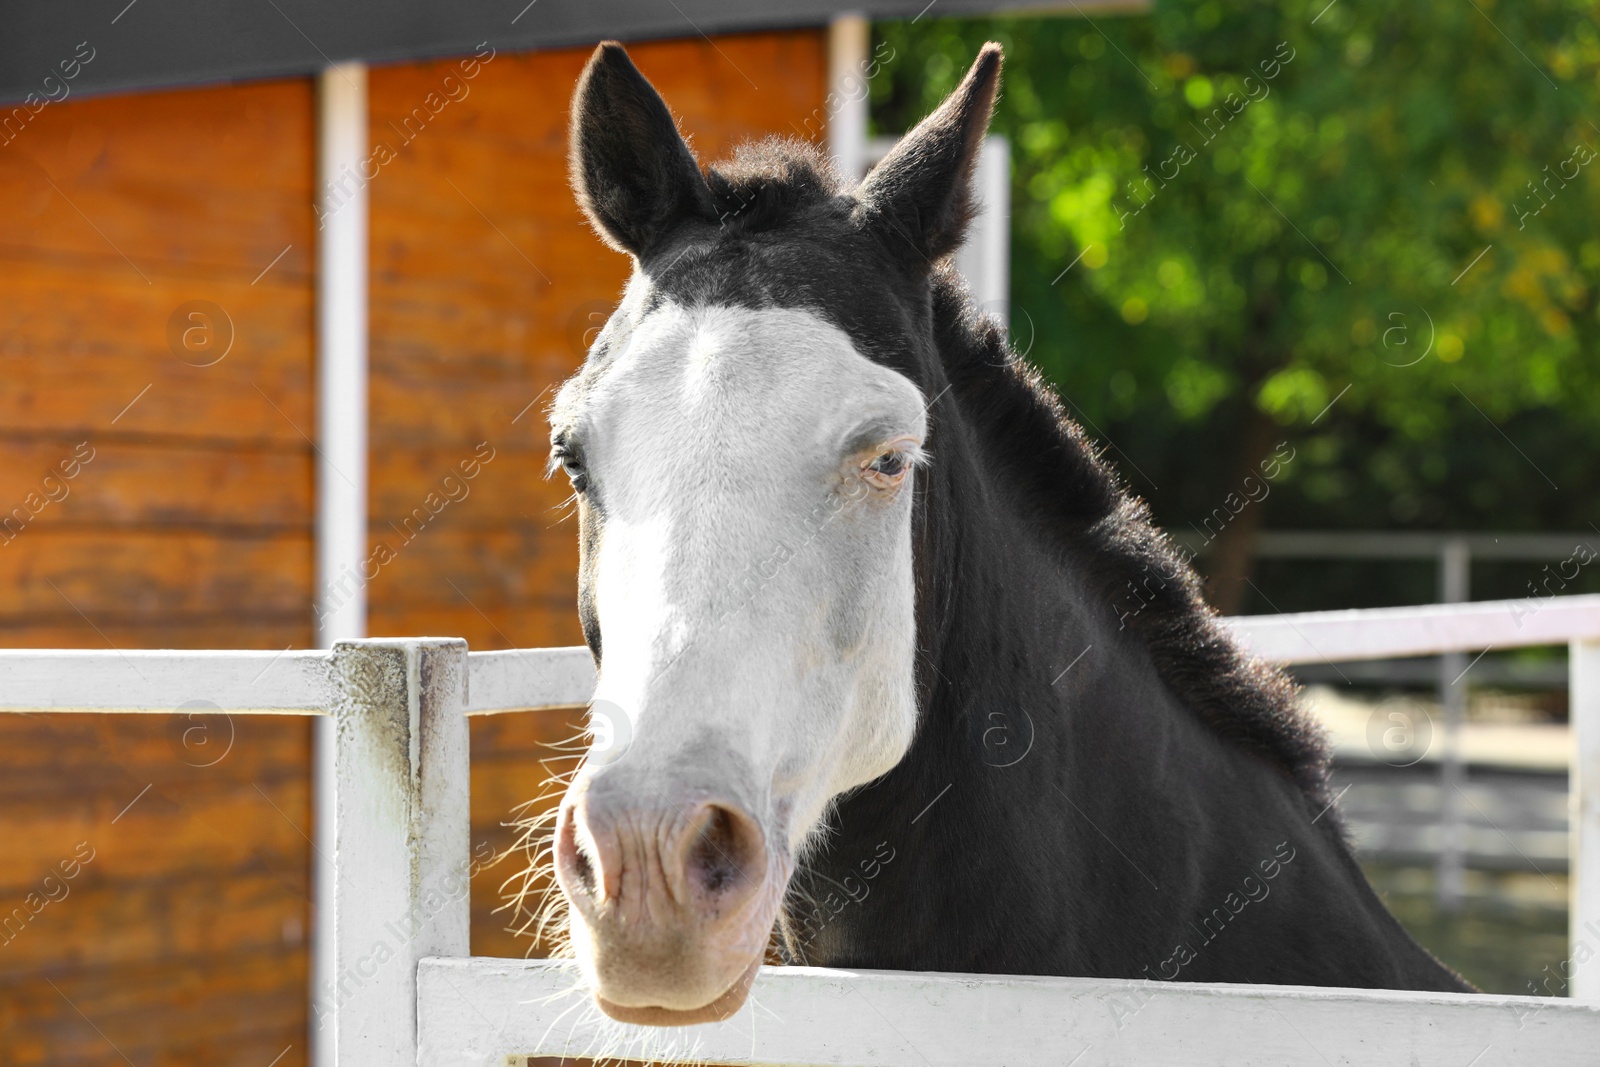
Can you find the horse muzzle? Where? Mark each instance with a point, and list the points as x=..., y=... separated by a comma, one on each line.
x=673, y=899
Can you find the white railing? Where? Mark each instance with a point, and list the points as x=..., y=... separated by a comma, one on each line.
x=402, y=987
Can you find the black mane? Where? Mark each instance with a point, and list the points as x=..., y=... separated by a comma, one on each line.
x=773, y=182
x=1134, y=562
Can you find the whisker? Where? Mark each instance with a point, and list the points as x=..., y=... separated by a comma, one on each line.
x=530, y=896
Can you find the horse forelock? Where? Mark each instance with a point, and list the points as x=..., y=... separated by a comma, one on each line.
x=768, y=182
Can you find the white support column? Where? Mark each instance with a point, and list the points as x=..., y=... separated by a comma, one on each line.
x=847, y=104
x=402, y=882
x=340, y=600
x=984, y=260
x=1584, y=886
x=341, y=401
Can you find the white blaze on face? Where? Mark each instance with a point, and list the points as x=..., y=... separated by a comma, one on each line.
x=752, y=575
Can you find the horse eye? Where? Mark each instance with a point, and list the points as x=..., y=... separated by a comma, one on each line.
x=573, y=468
x=887, y=470
x=890, y=464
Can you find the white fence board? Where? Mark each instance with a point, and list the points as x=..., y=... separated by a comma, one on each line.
x=1380, y=633
x=528, y=679
x=150, y=680
x=478, y=1012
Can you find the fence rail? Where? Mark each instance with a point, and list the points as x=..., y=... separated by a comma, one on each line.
x=529, y=680
x=159, y=681
x=475, y=1012
x=396, y=984
x=1379, y=633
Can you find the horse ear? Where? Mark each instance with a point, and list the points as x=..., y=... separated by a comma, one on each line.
x=634, y=176
x=922, y=190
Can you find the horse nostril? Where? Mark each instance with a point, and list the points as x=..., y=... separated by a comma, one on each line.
x=712, y=863
x=727, y=857
x=570, y=859
x=584, y=872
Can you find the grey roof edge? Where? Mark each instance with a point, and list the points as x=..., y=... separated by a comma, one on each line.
x=152, y=45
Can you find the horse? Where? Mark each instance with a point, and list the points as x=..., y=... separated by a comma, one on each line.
x=895, y=671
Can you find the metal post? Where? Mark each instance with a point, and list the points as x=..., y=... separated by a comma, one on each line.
x=1455, y=564
x=402, y=881
x=849, y=54
x=339, y=599
x=1583, y=665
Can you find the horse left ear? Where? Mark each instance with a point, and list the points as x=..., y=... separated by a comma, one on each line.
x=922, y=191
x=635, y=177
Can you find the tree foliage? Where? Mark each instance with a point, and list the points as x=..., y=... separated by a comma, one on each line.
x=1228, y=217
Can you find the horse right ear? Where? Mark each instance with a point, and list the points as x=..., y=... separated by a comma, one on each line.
x=921, y=193
x=634, y=176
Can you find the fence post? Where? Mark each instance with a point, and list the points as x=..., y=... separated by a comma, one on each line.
x=1455, y=571
x=401, y=830
x=1583, y=663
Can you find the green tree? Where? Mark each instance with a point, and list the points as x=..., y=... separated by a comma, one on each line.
x=1227, y=218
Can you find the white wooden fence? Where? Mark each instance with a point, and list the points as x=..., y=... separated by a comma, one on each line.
x=400, y=986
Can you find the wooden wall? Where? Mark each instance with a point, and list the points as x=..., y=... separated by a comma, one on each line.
x=183, y=940
x=191, y=524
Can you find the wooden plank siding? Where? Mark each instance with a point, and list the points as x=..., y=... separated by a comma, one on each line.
x=194, y=513
x=184, y=940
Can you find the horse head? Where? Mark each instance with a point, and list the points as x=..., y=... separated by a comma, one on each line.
x=744, y=443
